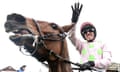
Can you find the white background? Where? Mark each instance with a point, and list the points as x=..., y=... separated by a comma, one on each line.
x=104, y=14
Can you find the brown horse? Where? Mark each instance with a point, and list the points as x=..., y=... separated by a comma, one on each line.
x=44, y=40
x=49, y=39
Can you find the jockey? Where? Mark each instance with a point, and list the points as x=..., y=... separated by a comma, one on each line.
x=90, y=50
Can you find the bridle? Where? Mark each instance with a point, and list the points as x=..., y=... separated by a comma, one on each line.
x=41, y=38
x=39, y=41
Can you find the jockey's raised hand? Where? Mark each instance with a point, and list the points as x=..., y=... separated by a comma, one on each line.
x=76, y=9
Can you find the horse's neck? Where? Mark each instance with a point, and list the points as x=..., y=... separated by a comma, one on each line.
x=59, y=66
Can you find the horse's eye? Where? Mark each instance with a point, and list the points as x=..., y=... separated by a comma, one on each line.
x=54, y=26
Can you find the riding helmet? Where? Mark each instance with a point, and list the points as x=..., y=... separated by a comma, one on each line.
x=87, y=27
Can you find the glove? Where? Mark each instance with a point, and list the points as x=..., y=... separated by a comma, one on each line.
x=76, y=12
x=78, y=64
x=91, y=63
x=87, y=65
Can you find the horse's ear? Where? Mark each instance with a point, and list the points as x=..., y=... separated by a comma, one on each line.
x=68, y=27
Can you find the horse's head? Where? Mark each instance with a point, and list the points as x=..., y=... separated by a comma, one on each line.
x=17, y=24
x=26, y=31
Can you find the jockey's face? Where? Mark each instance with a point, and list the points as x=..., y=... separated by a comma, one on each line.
x=89, y=36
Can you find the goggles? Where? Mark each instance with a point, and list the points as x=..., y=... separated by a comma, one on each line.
x=88, y=30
